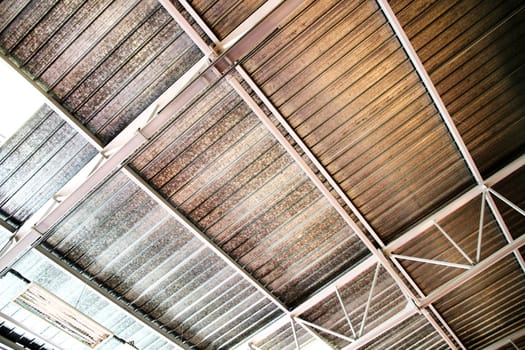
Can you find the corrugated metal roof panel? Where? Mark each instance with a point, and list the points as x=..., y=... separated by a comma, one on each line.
x=37, y=268
x=520, y=343
x=463, y=227
x=106, y=61
x=224, y=16
x=37, y=161
x=348, y=89
x=387, y=300
x=513, y=189
x=283, y=339
x=414, y=333
x=488, y=307
x=220, y=165
x=127, y=242
x=472, y=51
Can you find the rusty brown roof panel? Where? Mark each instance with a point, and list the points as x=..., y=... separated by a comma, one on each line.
x=472, y=51
x=463, y=227
x=125, y=241
x=105, y=61
x=224, y=16
x=348, y=89
x=488, y=307
x=512, y=189
x=519, y=343
x=414, y=333
x=37, y=161
x=220, y=165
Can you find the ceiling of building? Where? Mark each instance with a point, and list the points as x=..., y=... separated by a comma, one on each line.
x=266, y=175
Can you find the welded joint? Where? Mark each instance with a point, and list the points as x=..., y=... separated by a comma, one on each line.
x=323, y=329
x=292, y=320
x=411, y=305
x=144, y=137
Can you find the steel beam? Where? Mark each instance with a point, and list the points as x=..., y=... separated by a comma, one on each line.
x=456, y=204
x=431, y=89
x=142, y=129
x=385, y=262
x=325, y=330
x=384, y=327
x=112, y=299
x=503, y=226
x=311, y=302
x=109, y=159
x=440, y=105
x=473, y=272
x=202, y=236
x=321, y=187
x=506, y=340
x=431, y=261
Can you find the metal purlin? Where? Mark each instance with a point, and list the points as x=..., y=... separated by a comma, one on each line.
x=324, y=172
x=449, y=122
x=383, y=260
x=113, y=157
x=91, y=140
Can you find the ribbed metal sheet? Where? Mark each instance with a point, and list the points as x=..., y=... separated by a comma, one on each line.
x=131, y=245
x=387, y=300
x=513, y=189
x=463, y=227
x=105, y=60
x=284, y=339
x=39, y=269
x=219, y=165
x=342, y=80
x=473, y=52
x=17, y=336
x=414, y=333
x=223, y=16
x=519, y=343
x=488, y=307
x=37, y=161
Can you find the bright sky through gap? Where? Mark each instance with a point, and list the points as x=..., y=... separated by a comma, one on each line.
x=18, y=100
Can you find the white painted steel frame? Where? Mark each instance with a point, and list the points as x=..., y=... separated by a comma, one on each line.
x=325, y=330
x=139, y=139
x=402, y=316
x=431, y=261
x=456, y=204
x=109, y=160
x=262, y=116
x=112, y=157
x=473, y=272
x=506, y=340
x=440, y=105
x=343, y=307
x=106, y=295
x=311, y=302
